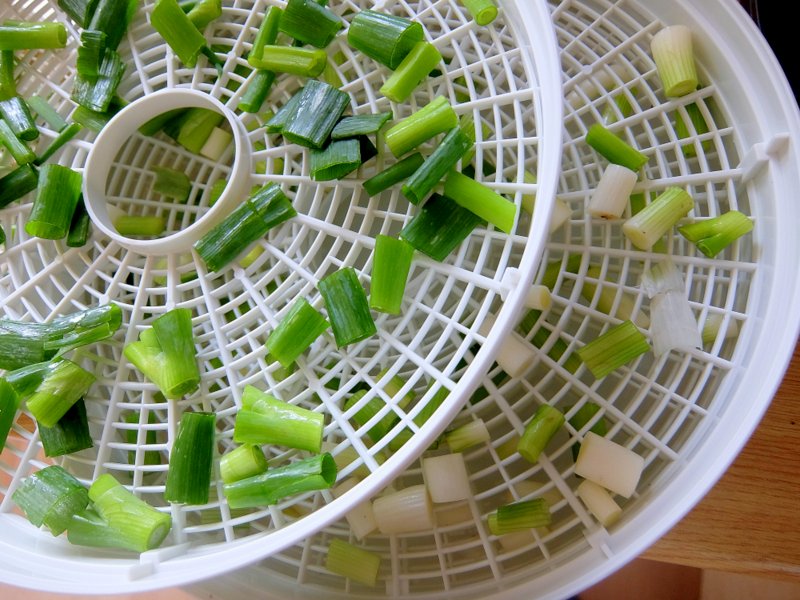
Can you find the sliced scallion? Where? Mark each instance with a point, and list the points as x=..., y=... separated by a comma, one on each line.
x=296, y=331
x=485, y=203
x=96, y=93
x=204, y=12
x=70, y=434
x=178, y=31
x=647, y=226
x=140, y=225
x=336, y=160
x=242, y=462
x=411, y=72
x=712, y=236
x=196, y=125
x=434, y=118
x=674, y=58
x=17, y=183
x=64, y=136
x=9, y=404
x=439, y=227
x=406, y=511
x=8, y=85
x=348, y=309
x=616, y=347
x=90, y=53
x=18, y=117
x=467, y=435
x=112, y=18
x=18, y=149
x=350, y=127
x=172, y=183
x=310, y=22
x=315, y=114
x=437, y=165
x=352, y=562
x=611, y=195
x=80, y=11
x=395, y=174
x=699, y=127
x=51, y=497
x=258, y=88
x=483, y=11
x=614, y=148
x=385, y=38
x=26, y=35
x=190, y=460
x=57, y=196
x=63, y=385
x=305, y=62
x=391, y=262
x=539, y=431
x=520, y=516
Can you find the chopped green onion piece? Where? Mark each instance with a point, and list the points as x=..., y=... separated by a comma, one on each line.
x=467, y=435
x=336, y=160
x=17, y=183
x=91, y=119
x=178, y=31
x=638, y=202
x=712, y=236
x=296, y=332
x=674, y=58
x=51, y=497
x=159, y=122
x=582, y=417
x=57, y=196
x=25, y=35
x=350, y=127
x=520, y=516
x=482, y=201
x=277, y=122
x=267, y=31
x=395, y=174
x=195, y=126
x=112, y=18
x=190, y=460
x=242, y=462
x=699, y=127
x=439, y=227
x=384, y=38
x=23, y=344
x=125, y=521
x=172, y=183
x=348, y=309
x=304, y=62
x=96, y=93
x=436, y=166
x=364, y=414
x=63, y=385
x=90, y=53
x=18, y=149
x=391, y=263
x=8, y=85
x=26, y=379
x=616, y=347
x=267, y=420
x=18, y=117
x=483, y=11
x=216, y=191
x=310, y=22
x=647, y=226
x=151, y=457
x=258, y=88
x=80, y=11
x=539, y=431
x=315, y=114
x=609, y=464
x=267, y=208
x=434, y=118
x=70, y=434
x=205, y=11
x=165, y=354
x=614, y=148
x=353, y=562
x=138, y=225
x=310, y=474
x=64, y=136
x=411, y=72
x=9, y=404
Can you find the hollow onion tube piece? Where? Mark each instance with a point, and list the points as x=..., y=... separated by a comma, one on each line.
x=539, y=431
x=70, y=434
x=314, y=115
x=348, y=309
x=9, y=403
x=446, y=477
x=609, y=464
x=391, y=262
x=611, y=195
x=411, y=72
x=353, y=562
x=195, y=126
x=243, y=461
x=97, y=93
x=394, y=174
x=336, y=160
x=267, y=420
x=64, y=136
x=165, y=354
x=599, y=502
x=190, y=460
x=482, y=201
x=80, y=11
x=712, y=236
x=169, y=20
x=483, y=11
x=171, y=183
x=90, y=53
x=18, y=116
x=23, y=343
x=17, y=183
x=204, y=12
x=121, y=520
x=18, y=149
x=385, y=38
x=63, y=385
x=520, y=516
x=140, y=225
x=112, y=18
x=358, y=125
x=674, y=57
x=406, y=511
x=647, y=226
x=434, y=118
x=436, y=166
x=310, y=22
x=361, y=519
x=466, y=436
x=305, y=62
x=307, y=475
x=25, y=35
x=614, y=148
x=296, y=331
x=267, y=208
x=51, y=497
x=616, y=347
x=439, y=227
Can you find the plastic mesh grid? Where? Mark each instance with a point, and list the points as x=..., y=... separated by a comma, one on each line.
x=431, y=345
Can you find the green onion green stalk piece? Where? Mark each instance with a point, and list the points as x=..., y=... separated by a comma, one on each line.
x=204, y=12
x=520, y=516
x=615, y=348
x=51, y=497
x=353, y=562
x=336, y=160
x=385, y=38
x=8, y=85
x=17, y=183
x=646, y=227
x=64, y=383
x=70, y=434
x=391, y=262
x=310, y=474
x=483, y=11
x=614, y=148
x=358, y=125
x=112, y=18
x=398, y=172
x=15, y=112
x=242, y=462
x=539, y=431
x=485, y=203
x=50, y=116
x=296, y=331
x=9, y=404
x=314, y=115
x=421, y=183
x=97, y=93
x=348, y=309
x=712, y=236
x=310, y=22
x=434, y=118
x=24, y=35
x=190, y=460
x=411, y=72
x=17, y=148
x=80, y=11
x=90, y=53
x=305, y=62
x=439, y=227
x=178, y=31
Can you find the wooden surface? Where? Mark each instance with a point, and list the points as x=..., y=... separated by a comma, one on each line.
x=750, y=521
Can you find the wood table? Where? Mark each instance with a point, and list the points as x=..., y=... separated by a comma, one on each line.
x=750, y=521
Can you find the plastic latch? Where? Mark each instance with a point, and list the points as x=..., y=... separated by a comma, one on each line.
x=510, y=280
x=761, y=153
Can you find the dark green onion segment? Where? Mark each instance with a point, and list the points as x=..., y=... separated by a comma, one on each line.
x=80, y=11
x=267, y=208
x=437, y=165
x=410, y=73
x=348, y=309
x=434, y=118
x=178, y=31
x=64, y=136
x=97, y=93
x=439, y=227
x=395, y=174
x=616, y=347
x=336, y=160
x=539, y=431
x=64, y=383
x=520, y=516
x=9, y=403
x=385, y=38
x=17, y=183
x=357, y=125
x=315, y=114
x=18, y=117
x=614, y=148
x=296, y=331
x=311, y=474
x=310, y=22
x=51, y=497
x=190, y=460
x=305, y=62
x=481, y=200
x=391, y=262
x=18, y=149
x=70, y=434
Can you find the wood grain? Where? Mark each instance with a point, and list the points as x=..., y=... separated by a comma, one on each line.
x=750, y=521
